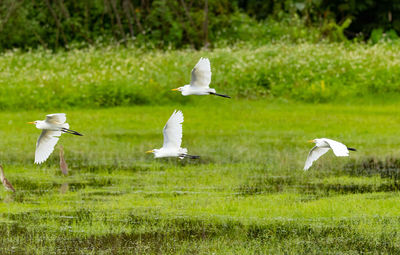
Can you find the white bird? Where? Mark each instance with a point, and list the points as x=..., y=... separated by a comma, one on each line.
x=200, y=82
x=53, y=126
x=172, y=139
x=322, y=146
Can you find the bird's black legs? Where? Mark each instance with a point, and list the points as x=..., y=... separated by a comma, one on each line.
x=220, y=95
x=351, y=149
x=190, y=156
x=69, y=131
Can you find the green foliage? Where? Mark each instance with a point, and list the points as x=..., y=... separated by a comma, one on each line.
x=378, y=35
x=366, y=15
x=66, y=24
x=76, y=24
x=335, y=32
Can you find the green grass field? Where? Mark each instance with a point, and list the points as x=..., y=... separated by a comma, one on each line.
x=247, y=194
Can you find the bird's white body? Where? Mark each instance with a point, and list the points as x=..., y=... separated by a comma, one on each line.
x=52, y=129
x=172, y=138
x=193, y=90
x=322, y=146
x=169, y=152
x=44, y=125
x=200, y=81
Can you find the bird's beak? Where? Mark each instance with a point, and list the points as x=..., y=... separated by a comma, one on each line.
x=150, y=151
x=311, y=141
x=31, y=122
x=175, y=89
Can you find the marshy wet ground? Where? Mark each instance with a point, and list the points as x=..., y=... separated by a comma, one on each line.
x=247, y=194
x=93, y=209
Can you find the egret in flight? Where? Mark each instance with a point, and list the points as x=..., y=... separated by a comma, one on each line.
x=4, y=180
x=172, y=139
x=53, y=126
x=322, y=146
x=200, y=82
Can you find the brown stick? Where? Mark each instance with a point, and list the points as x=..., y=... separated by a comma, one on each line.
x=185, y=28
x=64, y=10
x=132, y=9
x=11, y=10
x=125, y=5
x=58, y=23
x=145, y=5
x=187, y=13
x=121, y=28
x=108, y=11
x=43, y=43
x=66, y=14
x=205, y=24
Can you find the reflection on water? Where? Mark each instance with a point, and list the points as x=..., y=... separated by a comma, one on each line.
x=9, y=198
x=64, y=188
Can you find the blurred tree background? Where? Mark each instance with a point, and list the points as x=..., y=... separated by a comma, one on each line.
x=65, y=24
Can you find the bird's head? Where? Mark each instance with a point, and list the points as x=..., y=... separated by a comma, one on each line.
x=151, y=151
x=317, y=141
x=178, y=89
x=38, y=123
x=34, y=122
x=154, y=151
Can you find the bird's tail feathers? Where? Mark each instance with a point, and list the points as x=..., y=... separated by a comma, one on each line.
x=183, y=154
x=190, y=156
x=351, y=149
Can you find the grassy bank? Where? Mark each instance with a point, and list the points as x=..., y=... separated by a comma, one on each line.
x=126, y=76
x=247, y=194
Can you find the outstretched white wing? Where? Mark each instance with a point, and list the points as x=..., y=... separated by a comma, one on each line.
x=315, y=153
x=45, y=145
x=56, y=118
x=173, y=131
x=339, y=149
x=201, y=73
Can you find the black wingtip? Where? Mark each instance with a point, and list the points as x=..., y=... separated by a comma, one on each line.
x=191, y=156
x=220, y=95
x=72, y=132
x=351, y=149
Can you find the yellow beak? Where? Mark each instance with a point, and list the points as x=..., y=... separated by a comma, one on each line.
x=150, y=151
x=31, y=122
x=311, y=141
x=175, y=89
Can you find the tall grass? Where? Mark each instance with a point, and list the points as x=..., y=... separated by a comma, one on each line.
x=127, y=76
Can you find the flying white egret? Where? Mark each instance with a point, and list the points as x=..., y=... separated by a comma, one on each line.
x=322, y=146
x=53, y=126
x=200, y=82
x=4, y=180
x=172, y=139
